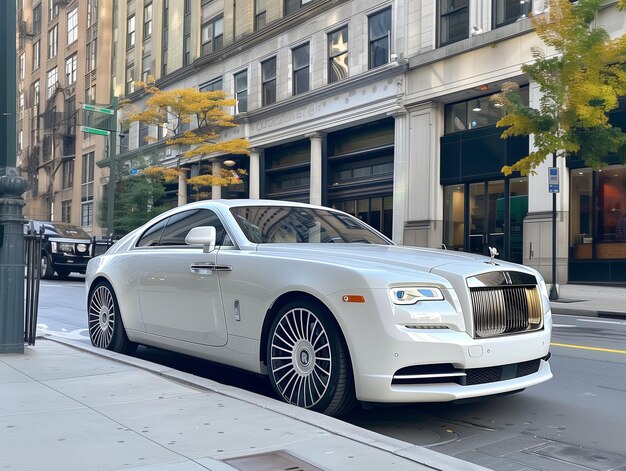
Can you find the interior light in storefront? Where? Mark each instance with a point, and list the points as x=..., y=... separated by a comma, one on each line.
x=477, y=106
x=229, y=163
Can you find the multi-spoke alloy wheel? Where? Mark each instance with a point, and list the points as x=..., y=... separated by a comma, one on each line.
x=106, y=329
x=308, y=361
x=101, y=317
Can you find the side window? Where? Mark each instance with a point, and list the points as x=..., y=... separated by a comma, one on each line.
x=151, y=237
x=178, y=227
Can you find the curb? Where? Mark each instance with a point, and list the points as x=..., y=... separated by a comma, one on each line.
x=408, y=451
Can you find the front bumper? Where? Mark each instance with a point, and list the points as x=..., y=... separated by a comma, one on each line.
x=381, y=345
x=70, y=262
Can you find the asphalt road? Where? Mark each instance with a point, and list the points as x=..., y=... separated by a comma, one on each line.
x=577, y=421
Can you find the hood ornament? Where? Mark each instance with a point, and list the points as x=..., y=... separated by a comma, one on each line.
x=493, y=253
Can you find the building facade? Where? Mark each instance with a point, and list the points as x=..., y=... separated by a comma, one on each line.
x=380, y=109
x=64, y=58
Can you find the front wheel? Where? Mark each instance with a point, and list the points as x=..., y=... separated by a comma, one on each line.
x=308, y=360
x=47, y=270
x=106, y=329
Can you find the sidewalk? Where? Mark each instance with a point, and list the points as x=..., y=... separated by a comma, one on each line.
x=67, y=406
x=591, y=300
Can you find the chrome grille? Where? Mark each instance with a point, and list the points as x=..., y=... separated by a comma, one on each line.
x=501, y=310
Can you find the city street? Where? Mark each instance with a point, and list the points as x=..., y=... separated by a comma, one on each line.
x=572, y=422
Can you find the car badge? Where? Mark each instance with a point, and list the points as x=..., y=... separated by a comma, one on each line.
x=493, y=253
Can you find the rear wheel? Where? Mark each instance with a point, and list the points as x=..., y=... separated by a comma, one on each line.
x=106, y=329
x=308, y=360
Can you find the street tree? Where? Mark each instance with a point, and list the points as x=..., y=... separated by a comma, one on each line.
x=175, y=111
x=581, y=81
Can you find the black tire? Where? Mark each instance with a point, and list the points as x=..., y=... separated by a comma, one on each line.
x=308, y=361
x=106, y=329
x=47, y=270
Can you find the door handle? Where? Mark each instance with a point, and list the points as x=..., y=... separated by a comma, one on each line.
x=208, y=268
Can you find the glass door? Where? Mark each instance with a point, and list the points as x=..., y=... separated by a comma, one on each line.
x=497, y=214
x=476, y=218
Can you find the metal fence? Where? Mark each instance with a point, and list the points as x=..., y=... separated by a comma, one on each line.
x=32, y=250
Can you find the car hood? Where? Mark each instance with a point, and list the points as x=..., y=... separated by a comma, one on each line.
x=394, y=258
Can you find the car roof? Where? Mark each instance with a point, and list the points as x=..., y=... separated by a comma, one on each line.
x=233, y=203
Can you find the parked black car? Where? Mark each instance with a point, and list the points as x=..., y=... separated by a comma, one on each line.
x=65, y=248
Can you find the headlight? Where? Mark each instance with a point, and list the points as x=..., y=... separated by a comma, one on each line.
x=413, y=294
x=65, y=247
x=53, y=245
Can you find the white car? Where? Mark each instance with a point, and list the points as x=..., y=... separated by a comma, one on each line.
x=331, y=310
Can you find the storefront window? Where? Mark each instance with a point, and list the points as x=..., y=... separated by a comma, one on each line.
x=598, y=213
x=454, y=222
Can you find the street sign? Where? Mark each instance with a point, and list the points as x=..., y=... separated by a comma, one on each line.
x=553, y=180
x=99, y=132
x=98, y=109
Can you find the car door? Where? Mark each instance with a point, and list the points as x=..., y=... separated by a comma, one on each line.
x=179, y=287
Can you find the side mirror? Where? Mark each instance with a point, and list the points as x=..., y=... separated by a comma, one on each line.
x=203, y=235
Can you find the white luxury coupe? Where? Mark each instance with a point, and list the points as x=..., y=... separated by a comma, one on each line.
x=331, y=310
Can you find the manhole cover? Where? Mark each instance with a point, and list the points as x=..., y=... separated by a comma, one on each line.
x=272, y=461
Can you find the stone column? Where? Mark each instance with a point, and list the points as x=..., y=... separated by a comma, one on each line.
x=182, y=186
x=400, y=174
x=254, y=178
x=316, y=167
x=216, y=190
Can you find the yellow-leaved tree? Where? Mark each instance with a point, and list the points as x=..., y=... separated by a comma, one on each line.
x=175, y=111
x=580, y=84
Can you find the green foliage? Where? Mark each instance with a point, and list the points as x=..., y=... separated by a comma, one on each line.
x=136, y=202
x=580, y=85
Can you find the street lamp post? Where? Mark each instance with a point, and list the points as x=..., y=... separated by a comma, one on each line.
x=12, y=186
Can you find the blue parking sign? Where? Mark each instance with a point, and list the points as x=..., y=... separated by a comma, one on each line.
x=553, y=179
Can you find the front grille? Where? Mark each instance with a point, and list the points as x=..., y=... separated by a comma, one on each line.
x=501, y=310
x=446, y=373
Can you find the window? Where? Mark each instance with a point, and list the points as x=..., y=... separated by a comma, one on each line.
x=268, y=79
x=66, y=211
x=36, y=54
x=67, y=174
x=147, y=21
x=22, y=66
x=292, y=6
x=509, y=11
x=152, y=236
x=179, y=225
x=92, y=54
x=37, y=19
x=453, y=21
x=86, y=191
x=379, y=38
x=21, y=101
x=241, y=91
x=216, y=84
x=53, y=10
x=51, y=82
x=143, y=134
x=187, y=34
x=90, y=95
x=164, y=37
x=71, y=67
x=92, y=12
x=130, y=80
x=301, y=59
x=338, y=55
x=20, y=139
x=212, y=35
x=72, y=26
x=35, y=98
x=260, y=11
x=53, y=35
x=475, y=113
x=130, y=32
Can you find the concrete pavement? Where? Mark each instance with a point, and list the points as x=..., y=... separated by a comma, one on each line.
x=66, y=406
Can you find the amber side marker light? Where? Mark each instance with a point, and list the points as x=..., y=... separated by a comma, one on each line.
x=353, y=298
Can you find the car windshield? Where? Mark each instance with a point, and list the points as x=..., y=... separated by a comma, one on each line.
x=64, y=230
x=298, y=225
